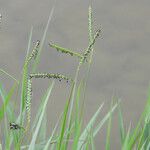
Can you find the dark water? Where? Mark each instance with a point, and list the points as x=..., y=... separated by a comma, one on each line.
x=122, y=54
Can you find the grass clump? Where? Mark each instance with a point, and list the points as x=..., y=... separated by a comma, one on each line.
x=69, y=130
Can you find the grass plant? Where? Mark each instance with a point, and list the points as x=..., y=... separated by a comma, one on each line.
x=69, y=131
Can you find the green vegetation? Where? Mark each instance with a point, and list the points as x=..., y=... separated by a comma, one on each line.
x=18, y=133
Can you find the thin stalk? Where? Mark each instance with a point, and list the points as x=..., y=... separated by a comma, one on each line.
x=73, y=93
x=3, y=71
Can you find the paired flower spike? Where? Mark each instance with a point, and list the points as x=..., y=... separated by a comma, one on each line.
x=83, y=58
x=89, y=49
x=38, y=75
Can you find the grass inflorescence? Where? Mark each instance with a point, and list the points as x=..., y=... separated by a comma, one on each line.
x=28, y=102
x=89, y=49
x=50, y=75
x=34, y=51
x=65, y=50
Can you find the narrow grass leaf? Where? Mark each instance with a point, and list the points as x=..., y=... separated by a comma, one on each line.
x=43, y=129
x=35, y=134
x=148, y=146
x=29, y=42
x=141, y=136
x=38, y=113
x=37, y=60
x=137, y=130
x=24, y=81
x=9, y=75
x=78, y=122
x=9, y=115
x=109, y=130
x=9, y=109
x=127, y=138
x=64, y=120
x=23, y=93
x=143, y=146
x=92, y=142
x=3, y=108
x=52, y=135
x=88, y=128
x=121, y=125
x=102, y=122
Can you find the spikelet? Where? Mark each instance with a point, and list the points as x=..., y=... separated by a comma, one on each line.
x=28, y=103
x=90, y=31
x=50, y=75
x=90, y=22
x=24, y=84
x=88, y=50
x=25, y=69
x=65, y=51
x=34, y=51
